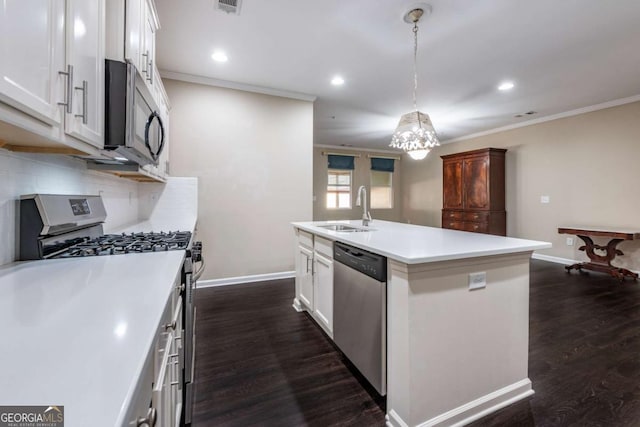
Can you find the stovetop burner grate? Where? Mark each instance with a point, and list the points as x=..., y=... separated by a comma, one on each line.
x=116, y=244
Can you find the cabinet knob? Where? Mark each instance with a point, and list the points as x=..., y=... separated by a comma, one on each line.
x=475, y=227
x=171, y=326
x=149, y=420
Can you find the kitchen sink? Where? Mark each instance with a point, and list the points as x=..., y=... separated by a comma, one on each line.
x=343, y=228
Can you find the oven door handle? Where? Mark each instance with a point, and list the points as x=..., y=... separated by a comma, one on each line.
x=196, y=275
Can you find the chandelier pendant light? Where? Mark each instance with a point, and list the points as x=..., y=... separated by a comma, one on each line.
x=415, y=133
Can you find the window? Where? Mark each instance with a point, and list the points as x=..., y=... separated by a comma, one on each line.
x=339, y=189
x=381, y=190
x=382, y=182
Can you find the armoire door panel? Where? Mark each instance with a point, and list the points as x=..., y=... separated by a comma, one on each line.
x=476, y=183
x=452, y=185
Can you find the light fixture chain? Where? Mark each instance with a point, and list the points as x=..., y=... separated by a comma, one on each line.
x=415, y=65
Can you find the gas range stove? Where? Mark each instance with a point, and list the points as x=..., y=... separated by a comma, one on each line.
x=116, y=244
x=70, y=226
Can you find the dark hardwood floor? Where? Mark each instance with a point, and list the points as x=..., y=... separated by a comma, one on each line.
x=261, y=363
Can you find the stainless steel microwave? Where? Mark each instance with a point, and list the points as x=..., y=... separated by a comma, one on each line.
x=133, y=126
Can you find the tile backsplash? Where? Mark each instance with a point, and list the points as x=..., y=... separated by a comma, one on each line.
x=22, y=173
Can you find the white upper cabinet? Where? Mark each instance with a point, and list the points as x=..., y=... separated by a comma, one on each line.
x=140, y=36
x=31, y=55
x=85, y=53
x=52, y=69
x=150, y=25
x=134, y=33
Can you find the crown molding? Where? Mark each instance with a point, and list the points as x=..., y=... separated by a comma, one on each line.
x=583, y=110
x=191, y=78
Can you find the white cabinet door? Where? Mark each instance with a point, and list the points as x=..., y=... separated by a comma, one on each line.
x=176, y=360
x=31, y=55
x=323, y=276
x=161, y=398
x=304, y=276
x=148, y=43
x=85, y=53
x=134, y=32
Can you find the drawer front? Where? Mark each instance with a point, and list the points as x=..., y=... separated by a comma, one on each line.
x=305, y=239
x=476, y=227
x=476, y=216
x=453, y=225
x=324, y=246
x=452, y=215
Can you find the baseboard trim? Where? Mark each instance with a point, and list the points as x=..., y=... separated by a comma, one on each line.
x=392, y=419
x=297, y=306
x=474, y=410
x=555, y=259
x=246, y=279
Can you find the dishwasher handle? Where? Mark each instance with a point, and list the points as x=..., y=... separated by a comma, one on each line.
x=353, y=251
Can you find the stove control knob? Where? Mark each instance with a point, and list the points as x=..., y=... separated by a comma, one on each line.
x=196, y=252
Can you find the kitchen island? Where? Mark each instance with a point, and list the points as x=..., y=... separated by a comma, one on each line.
x=454, y=354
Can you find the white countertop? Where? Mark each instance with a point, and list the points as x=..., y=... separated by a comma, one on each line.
x=77, y=331
x=414, y=244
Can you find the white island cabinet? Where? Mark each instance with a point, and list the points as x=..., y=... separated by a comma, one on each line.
x=457, y=318
x=314, y=278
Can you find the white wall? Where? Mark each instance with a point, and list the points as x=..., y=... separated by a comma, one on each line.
x=253, y=156
x=36, y=173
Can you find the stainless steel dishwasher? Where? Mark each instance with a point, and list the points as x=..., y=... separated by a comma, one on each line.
x=360, y=311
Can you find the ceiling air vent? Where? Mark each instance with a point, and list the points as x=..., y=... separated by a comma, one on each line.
x=229, y=6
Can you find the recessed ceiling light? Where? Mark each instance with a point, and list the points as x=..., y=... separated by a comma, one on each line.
x=219, y=56
x=337, y=81
x=506, y=86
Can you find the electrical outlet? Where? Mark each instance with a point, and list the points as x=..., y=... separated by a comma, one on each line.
x=569, y=241
x=477, y=280
x=545, y=199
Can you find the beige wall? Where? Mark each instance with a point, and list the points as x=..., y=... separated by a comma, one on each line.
x=253, y=156
x=361, y=176
x=586, y=164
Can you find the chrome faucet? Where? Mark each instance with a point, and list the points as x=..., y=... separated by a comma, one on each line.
x=366, y=215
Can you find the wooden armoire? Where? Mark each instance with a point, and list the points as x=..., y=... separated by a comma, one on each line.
x=473, y=191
